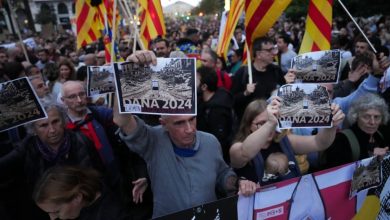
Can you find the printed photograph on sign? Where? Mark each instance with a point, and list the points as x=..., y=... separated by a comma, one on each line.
x=366, y=175
x=167, y=88
x=100, y=80
x=18, y=104
x=317, y=67
x=304, y=105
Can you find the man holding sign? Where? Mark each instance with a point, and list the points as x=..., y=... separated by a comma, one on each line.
x=184, y=165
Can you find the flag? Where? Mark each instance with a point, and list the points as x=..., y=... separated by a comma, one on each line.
x=152, y=21
x=318, y=26
x=226, y=35
x=106, y=15
x=260, y=16
x=88, y=23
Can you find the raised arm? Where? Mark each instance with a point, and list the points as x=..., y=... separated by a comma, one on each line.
x=242, y=152
x=126, y=122
x=321, y=141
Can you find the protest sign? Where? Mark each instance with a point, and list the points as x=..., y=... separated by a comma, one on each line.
x=317, y=67
x=18, y=104
x=304, y=105
x=100, y=80
x=167, y=88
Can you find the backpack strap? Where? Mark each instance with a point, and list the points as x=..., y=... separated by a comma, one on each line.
x=353, y=142
x=258, y=163
x=287, y=149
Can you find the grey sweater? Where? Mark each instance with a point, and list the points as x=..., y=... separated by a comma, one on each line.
x=179, y=182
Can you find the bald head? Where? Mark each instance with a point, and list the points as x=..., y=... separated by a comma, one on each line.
x=90, y=59
x=74, y=97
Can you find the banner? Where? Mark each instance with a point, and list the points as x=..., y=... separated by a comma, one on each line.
x=322, y=195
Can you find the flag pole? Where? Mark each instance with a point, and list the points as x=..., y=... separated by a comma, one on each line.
x=17, y=30
x=361, y=31
x=113, y=37
x=136, y=34
x=248, y=56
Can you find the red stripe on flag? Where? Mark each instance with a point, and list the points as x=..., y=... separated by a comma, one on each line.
x=82, y=17
x=91, y=34
x=320, y=21
x=259, y=14
x=315, y=47
x=155, y=18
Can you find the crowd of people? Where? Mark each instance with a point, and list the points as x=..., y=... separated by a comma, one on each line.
x=87, y=161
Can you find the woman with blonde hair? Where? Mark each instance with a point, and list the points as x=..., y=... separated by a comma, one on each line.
x=70, y=192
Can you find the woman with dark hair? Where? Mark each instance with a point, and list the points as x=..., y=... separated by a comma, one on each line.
x=76, y=193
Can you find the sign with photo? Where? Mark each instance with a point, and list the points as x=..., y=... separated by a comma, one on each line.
x=317, y=67
x=167, y=88
x=366, y=175
x=100, y=80
x=18, y=104
x=304, y=105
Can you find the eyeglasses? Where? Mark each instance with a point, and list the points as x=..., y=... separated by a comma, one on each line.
x=272, y=49
x=74, y=96
x=258, y=124
x=368, y=117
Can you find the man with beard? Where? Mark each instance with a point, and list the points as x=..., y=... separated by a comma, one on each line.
x=161, y=47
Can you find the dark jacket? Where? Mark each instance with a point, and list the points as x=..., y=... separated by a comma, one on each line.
x=340, y=152
x=216, y=117
x=106, y=207
x=27, y=165
x=266, y=82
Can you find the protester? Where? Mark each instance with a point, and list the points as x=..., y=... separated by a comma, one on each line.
x=363, y=139
x=256, y=139
x=49, y=144
x=285, y=54
x=209, y=59
x=66, y=72
x=266, y=76
x=66, y=192
x=124, y=168
x=185, y=165
x=215, y=109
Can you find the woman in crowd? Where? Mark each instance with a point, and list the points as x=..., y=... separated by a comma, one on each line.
x=66, y=72
x=257, y=144
x=362, y=139
x=76, y=193
x=49, y=144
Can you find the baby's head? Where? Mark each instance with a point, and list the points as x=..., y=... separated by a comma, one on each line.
x=277, y=164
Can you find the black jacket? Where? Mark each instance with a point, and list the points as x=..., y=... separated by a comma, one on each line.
x=216, y=117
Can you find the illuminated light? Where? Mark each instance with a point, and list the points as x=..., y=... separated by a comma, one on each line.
x=200, y=14
x=26, y=21
x=188, y=18
x=216, y=15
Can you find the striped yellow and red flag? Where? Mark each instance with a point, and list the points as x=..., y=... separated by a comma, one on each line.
x=234, y=14
x=106, y=14
x=152, y=21
x=318, y=26
x=88, y=23
x=260, y=16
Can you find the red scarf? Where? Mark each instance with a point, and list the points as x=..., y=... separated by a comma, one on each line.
x=88, y=131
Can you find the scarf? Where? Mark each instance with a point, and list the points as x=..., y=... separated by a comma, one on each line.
x=51, y=155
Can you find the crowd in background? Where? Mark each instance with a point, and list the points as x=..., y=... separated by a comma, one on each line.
x=48, y=167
